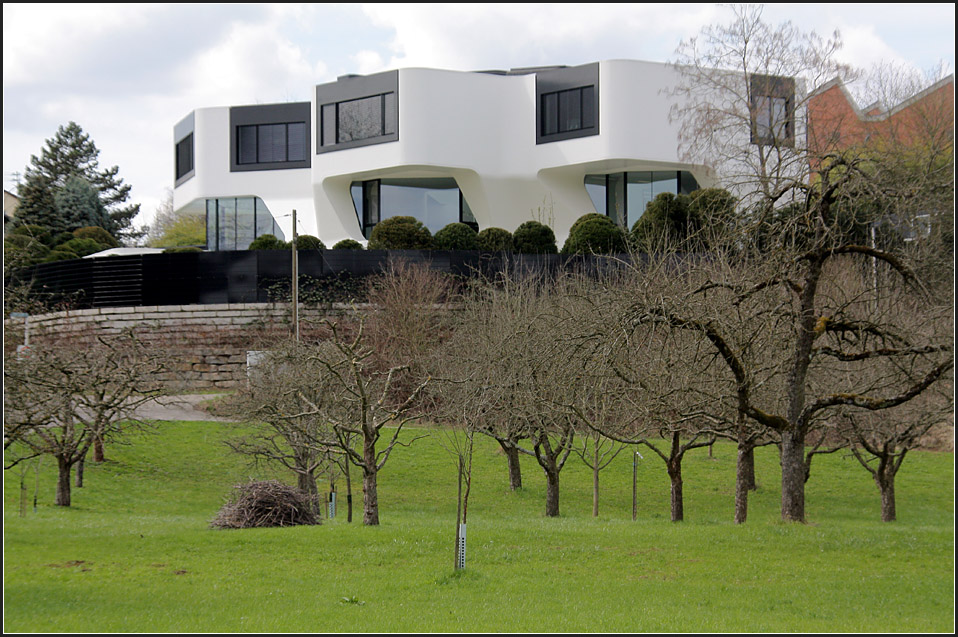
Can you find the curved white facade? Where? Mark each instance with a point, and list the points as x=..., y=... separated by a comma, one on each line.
x=487, y=131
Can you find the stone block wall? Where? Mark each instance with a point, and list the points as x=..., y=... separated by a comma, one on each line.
x=208, y=343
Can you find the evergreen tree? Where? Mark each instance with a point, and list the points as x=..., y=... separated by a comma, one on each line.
x=71, y=153
x=78, y=205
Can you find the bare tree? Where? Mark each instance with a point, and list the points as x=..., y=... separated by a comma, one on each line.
x=361, y=403
x=278, y=402
x=745, y=93
x=64, y=399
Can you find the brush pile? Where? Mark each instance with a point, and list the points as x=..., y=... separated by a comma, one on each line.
x=265, y=504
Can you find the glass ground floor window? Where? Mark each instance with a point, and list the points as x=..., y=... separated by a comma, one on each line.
x=624, y=196
x=233, y=222
x=436, y=202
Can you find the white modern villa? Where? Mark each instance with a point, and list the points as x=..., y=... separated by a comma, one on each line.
x=490, y=149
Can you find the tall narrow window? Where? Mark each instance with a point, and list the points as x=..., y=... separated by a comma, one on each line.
x=772, y=110
x=184, y=156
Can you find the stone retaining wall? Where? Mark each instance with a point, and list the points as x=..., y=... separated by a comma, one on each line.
x=208, y=342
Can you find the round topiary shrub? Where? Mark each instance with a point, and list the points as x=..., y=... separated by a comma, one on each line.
x=594, y=234
x=533, y=237
x=665, y=221
x=309, y=242
x=42, y=234
x=98, y=234
x=495, y=240
x=456, y=236
x=82, y=247
x=400, y=233
x=268, y=242
x=348, y=244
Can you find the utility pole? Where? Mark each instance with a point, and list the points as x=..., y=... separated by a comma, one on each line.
x=295, y=282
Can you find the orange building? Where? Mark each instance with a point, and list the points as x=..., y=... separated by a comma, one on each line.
x=836, y=123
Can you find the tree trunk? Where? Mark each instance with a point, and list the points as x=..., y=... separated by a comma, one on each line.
x=744, y=479
x=793, y=476
x=349, y=493
x=80, y=466
x=552, y=494
x=595, y=489
x=99, y=455
x=63, y=482
x=746, y=459
x=306, y=482
x=515, y=472
x=886, y=484
x=370, y=494
x=675, y=477
x=741, y=491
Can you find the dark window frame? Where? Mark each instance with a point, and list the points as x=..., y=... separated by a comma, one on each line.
x=257, y=149
x=764, y=91
x=242, y=117
x=331, y=97
x=554, y=88
x=185, y=161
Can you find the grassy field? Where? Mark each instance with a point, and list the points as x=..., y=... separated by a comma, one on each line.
x=135, y=552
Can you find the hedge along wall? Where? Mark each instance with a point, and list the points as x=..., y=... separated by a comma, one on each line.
x=208, y=343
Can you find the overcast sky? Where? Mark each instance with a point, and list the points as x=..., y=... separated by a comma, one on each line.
x=126, y=73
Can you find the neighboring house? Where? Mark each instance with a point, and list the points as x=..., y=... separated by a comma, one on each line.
x=10, y=204
x=925, y=120
x=491, y=148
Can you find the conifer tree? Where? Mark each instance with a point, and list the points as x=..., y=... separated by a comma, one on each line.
x=71, y=153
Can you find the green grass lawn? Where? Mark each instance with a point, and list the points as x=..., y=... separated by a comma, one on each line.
x=135, y=552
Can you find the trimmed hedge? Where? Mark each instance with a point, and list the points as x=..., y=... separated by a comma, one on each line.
x=400, y=233
x=268, y=242
x=309, y=242
x=456, y=236
x=533, y=237
x=593, y=233
x=348, y=244
x=495, y=240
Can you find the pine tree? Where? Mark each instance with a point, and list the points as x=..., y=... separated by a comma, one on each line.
x=71, y=153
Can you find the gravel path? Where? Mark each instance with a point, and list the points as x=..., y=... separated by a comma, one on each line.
x=182, y=407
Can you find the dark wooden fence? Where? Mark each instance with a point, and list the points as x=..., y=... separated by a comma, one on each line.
x=252, y=276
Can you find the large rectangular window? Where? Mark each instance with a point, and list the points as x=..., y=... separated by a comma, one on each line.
x=271, y=143
x=270, y=137
x=357, y=120
x=436, y=202
x=567, y=103
x=357, y=110
x=623, y=197
x=567, y=111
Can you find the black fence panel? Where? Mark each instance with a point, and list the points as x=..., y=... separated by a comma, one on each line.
x=249, y=276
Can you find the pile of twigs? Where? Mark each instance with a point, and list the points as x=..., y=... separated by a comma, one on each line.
x=262, y=504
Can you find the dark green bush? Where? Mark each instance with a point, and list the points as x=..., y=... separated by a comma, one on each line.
x=348, y=244
x=81, y=247
x=400, y=233
x=268, y=242
x=98, y=234
x=495, y=240
x=60, y=254
x=594, y=234
x=176, y=249
x=533, y=237
x=309, y=242
x=665, y=221
x=456, y=236
x=42, y=234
